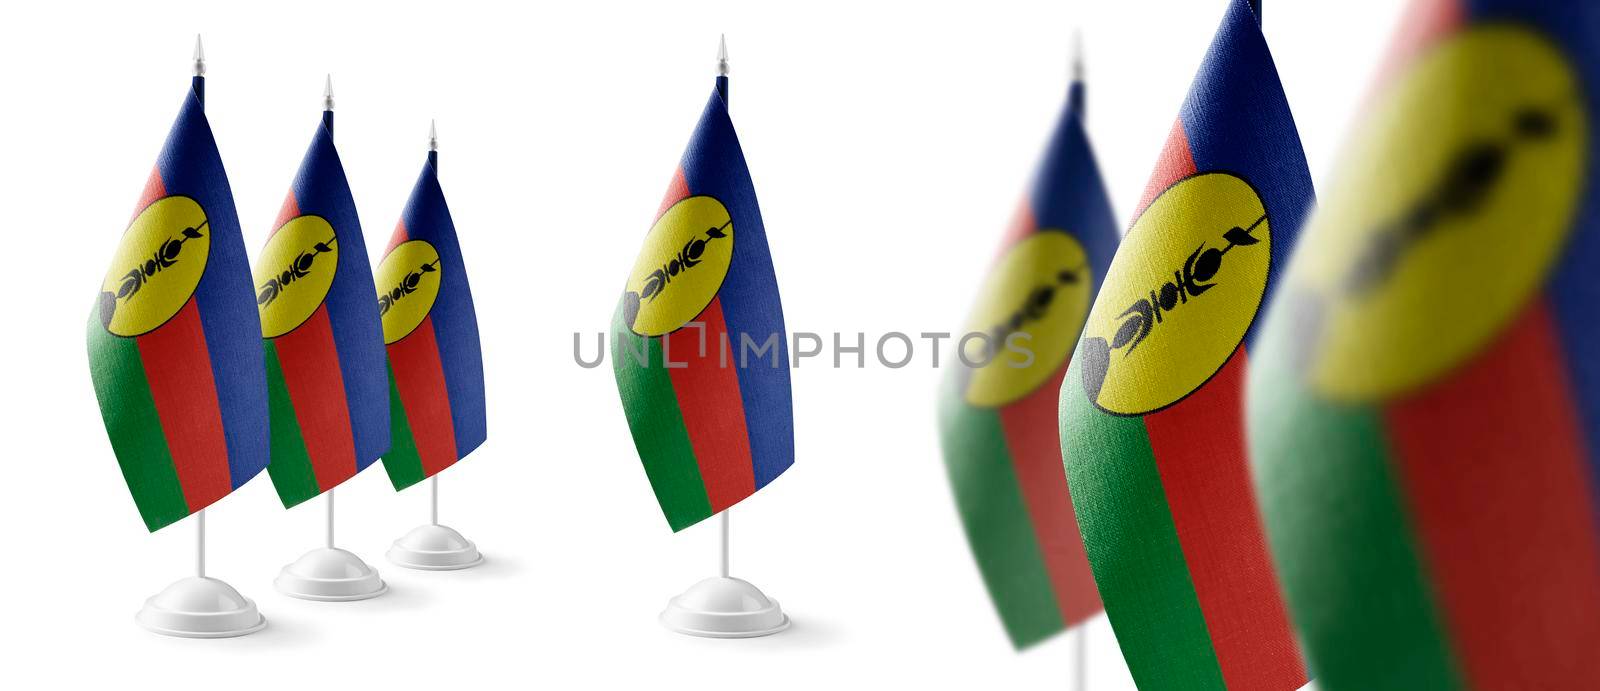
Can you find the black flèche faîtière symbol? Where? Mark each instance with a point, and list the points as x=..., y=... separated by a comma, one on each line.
x=407, y=286
x=297, y=269
x=1465, y=185
x=164, y=257
x=1189, y=282
x=657, y=282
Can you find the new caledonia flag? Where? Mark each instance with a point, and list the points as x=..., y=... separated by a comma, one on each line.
x=998, y=420
x=1425, y=412
x=436, y=399
x=327, y=377
x=174, y=346
x=699, y=348
x=1152, y=411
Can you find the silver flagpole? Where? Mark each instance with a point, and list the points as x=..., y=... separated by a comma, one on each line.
x=724, y=570
x=722, y=71
x=1080, y=658
x=433, y=500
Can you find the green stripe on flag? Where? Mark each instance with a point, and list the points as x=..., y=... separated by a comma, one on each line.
x=651, y=405
x=290, y=467
x=1340, y=537
x=999, y=528
x=402, y=462
x=134, y=427
x=1133, y=547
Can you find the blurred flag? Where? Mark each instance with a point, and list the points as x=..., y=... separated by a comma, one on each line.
x=1425, y=410
x=699, y=348
x=998, y=420
x=1152, y=416
x=326, y=378
x=436, y=397
x=174, y=348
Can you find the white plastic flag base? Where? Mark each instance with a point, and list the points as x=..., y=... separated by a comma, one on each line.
x=197, y=607
x=724, y=608
x=434, y=548
x=330, y=574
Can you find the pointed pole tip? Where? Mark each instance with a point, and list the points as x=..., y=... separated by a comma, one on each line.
x=327, y=93
x=1077, y=55
x=199, y=57
x=722, y=56
x=433, y=135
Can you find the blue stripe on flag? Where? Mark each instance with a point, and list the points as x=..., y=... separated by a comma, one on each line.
x=1237, y=120
x=1069, y=194
x=714, y=165
x=191, y=166
x=455, y=323
x=320, y=189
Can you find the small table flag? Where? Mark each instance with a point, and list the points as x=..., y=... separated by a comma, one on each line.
x=700, y=353
x=1152, y=414
x=436, y=398
x=998, y=420
x=327, y=373
x=174, y=345
x=1425, y=407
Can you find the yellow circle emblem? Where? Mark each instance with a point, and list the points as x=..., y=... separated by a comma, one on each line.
x=1449, y=213
x=681, y=267
x=1036, y=295
x=294, y=273
x=1180, y=295
x=409, y=277
x=157, y=267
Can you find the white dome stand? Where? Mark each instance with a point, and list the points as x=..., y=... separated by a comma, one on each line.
x=434, y=547
x=330, y=574
x=200, y=607
x=724, y=607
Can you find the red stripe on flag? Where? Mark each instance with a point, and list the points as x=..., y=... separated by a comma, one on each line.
x=154, y=188
x=399, y=237
x=419, y=376
x=315, y=381
x=677, y=191
x=287, y=212
x=1035, y=446
x=712, y=409
x=177, y=364
x=1022, y=225
x=1201, y=453
x=1423, y=24
x=1494, y=465
x=1176, y=163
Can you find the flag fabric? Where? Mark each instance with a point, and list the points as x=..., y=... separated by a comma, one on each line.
x=1425, y=410
x=1152, y=418
x=997, y=412
x=327, y=378
x=436, y=400
x=174, y=348
x=700, y=352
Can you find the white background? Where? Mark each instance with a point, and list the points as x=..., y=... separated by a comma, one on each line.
x=889, y=144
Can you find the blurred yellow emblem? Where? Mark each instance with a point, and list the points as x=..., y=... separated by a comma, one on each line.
x=1180, y=295
x=157, y=267
x=1447, y=216
x=294, y=273
x=1036, y=295
x=679, y=271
